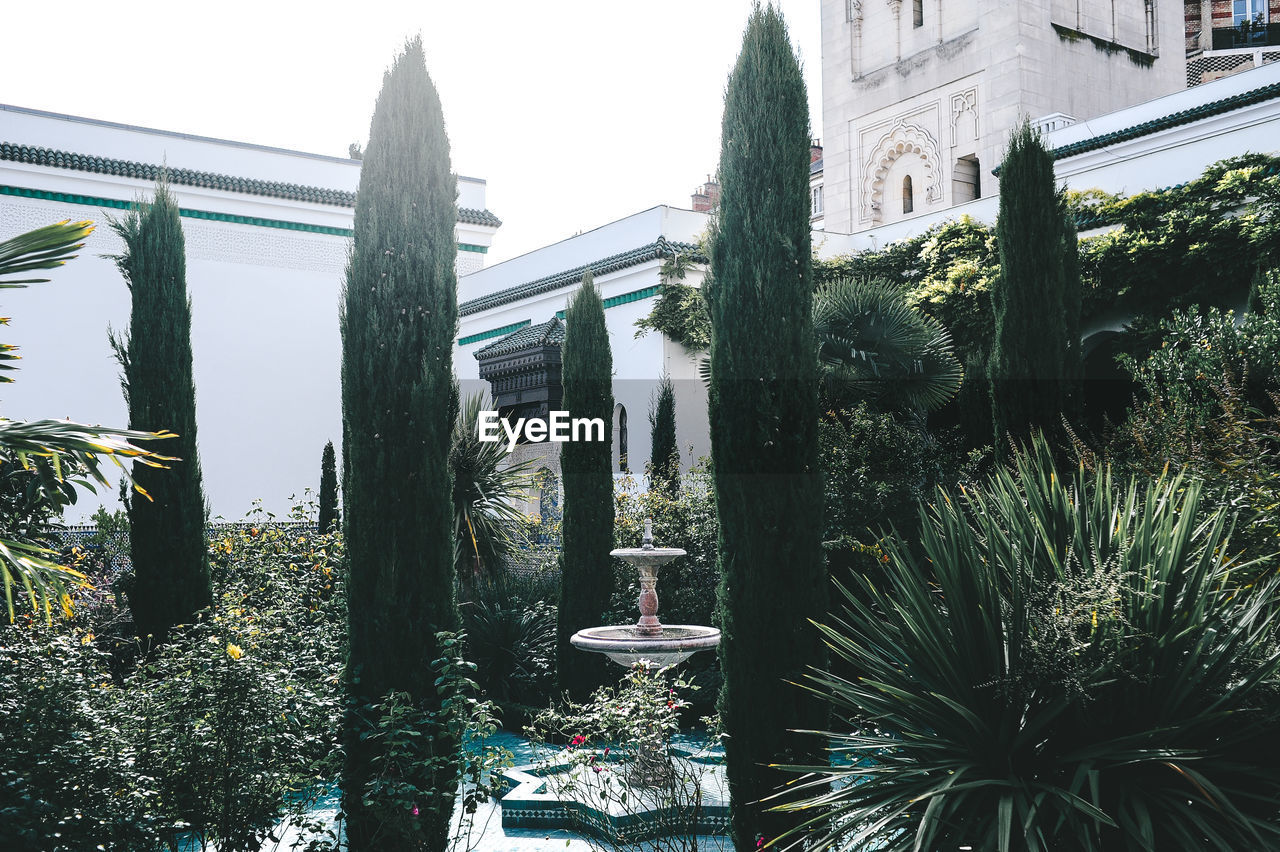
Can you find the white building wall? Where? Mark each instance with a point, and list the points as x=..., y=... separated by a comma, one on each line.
x=265, y=339
x=902, y=100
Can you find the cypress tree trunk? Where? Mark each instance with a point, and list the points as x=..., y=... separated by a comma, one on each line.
x=586, y=577
x=167, y=532
x=664, y=457
x=1036, y=311
x=764, y=416
x=328, y=490
x=398, y=318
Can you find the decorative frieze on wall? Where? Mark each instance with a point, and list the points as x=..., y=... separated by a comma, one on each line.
x=964, y=118
x=910, y=135
x=219, y=241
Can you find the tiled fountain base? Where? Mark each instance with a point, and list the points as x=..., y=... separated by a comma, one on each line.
x=566, y=795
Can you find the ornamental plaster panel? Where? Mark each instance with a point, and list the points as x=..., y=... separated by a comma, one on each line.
x=964, y=117
x=912, y=134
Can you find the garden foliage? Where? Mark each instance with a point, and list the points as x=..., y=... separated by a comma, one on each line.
x=168, y=516
x=1068, y=663
x=763, y=418
x=328, y=515
x=1036, y=300
x=398, y=318
x=206, y=737
x=595, y=753
x=664, y=454
x=586, y=578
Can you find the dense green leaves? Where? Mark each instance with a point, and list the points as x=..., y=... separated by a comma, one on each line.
x=486, y=492
x=586, y=578
x=873, y=346
x=1036, y=301
x=171, y=567
x=763, y=417
x=328, y=496
x=664, y=454
x=1068, y=664
x=398, y=318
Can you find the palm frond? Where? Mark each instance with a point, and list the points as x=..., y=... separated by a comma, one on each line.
x=44, y=248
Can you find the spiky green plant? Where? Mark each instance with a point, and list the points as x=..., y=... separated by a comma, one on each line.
x=486, y=493
x=764, y=417
x=586, y=579
x=1062, y=663
x=664, y=455
x=168, y=541
x=328, y=513
x=398, y=318
x=873, y=346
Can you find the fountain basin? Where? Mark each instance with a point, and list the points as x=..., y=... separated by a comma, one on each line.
x=629, y=644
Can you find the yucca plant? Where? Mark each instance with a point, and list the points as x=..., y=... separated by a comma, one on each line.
x=873, y=346
x=487, y=492
x=1061, y=664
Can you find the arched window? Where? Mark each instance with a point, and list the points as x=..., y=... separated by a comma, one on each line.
x=908, y=200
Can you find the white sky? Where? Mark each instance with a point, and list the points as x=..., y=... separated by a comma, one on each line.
x=576, y=112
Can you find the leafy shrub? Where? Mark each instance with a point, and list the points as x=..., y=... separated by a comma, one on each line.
x=398, y=804
x=512, y=644
x=1069, y=664
x=204, y=737
x=612, y=754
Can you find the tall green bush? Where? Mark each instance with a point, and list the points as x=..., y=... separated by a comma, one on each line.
x=1036, y=297
x=167, y=519
x=398, y=318
x=328, y=490
x=586, y=578
x=664, y=454
x=763, y=417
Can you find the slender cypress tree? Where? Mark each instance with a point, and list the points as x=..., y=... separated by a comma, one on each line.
x=328, y=490
x=586, y=580
x=167, y=531
x=764, y=415
x=664, y=456
x=398, y=317
x=1036, y=298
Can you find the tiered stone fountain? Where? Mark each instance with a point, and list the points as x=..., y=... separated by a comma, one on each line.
x=648, y=639
x=531, y=802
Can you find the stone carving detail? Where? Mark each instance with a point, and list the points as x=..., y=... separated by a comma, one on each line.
x=853, y=12
x=903, y=140
x=962, y=102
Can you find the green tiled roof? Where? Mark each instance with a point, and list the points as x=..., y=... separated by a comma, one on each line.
x=548, y=333
x=492, y=333
x=210, y=180
x=1174, y=119
x=661, y=248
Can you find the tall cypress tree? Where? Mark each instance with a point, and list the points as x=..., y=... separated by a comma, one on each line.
x=167, y=517
x=586, y=580
x=764, y=415
x=1036, y=298
x=328, y=490
x=664, y=456
x=398, y=317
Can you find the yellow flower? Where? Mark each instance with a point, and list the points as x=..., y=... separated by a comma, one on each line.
x=234, y=651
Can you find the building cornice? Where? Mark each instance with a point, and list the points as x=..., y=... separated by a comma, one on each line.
x=661, y=248
x=49, y=158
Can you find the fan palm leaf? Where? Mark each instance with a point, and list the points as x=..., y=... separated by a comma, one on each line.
x=871, y=344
